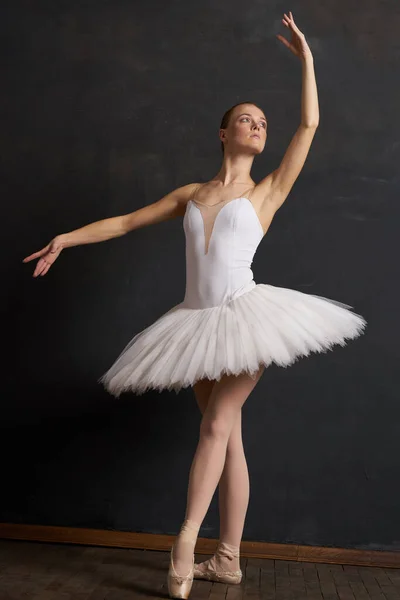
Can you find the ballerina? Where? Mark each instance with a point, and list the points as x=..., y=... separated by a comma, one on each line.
x=228, y=328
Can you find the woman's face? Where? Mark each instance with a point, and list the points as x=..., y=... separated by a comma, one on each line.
x=247, y=130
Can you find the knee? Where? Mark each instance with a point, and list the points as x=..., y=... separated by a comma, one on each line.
x=215, y=428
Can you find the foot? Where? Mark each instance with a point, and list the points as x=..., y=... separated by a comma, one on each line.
x=226, y=558
x=178, y=586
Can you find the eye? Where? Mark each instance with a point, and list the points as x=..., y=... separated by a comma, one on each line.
x=263, y=123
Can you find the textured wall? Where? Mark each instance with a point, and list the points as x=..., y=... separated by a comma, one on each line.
x=107, y=106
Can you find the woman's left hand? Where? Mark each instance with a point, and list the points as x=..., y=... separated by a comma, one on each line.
x=297, y=44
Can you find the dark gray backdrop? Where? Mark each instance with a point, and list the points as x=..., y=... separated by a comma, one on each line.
x=106, y=107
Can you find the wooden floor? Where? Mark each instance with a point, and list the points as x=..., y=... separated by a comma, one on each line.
x=38, y=571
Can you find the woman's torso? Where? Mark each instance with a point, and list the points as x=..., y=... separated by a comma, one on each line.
x=221, y=240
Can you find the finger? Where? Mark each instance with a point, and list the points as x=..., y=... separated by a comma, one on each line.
x=34, y=255
x=288, y=45
x=37, y=270
x=39, y=267
x=293, y=25
x=47, y=267
x=284, y=40
x=42, y=269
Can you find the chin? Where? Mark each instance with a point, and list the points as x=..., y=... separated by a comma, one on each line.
x=252, y=148
x=258, y=146
x=258, y=149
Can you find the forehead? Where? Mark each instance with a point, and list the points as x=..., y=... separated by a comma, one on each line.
x=250, y=110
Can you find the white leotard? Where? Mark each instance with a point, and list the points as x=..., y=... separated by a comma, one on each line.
x=221, y=240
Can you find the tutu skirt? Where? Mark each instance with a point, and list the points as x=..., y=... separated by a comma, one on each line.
x=265, y=325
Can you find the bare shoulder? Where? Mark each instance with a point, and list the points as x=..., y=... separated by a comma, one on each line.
x=182, y=195
x=170, y=206
x=173, y=204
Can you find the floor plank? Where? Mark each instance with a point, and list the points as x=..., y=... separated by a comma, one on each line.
x=44, y=571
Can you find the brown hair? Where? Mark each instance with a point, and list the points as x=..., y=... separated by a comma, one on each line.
x=226, y=118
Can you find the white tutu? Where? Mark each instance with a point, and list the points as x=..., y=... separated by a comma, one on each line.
x=265, y=325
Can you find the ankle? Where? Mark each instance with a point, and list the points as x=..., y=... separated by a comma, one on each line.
x=228, y=550
x=189, y=531
x=186, y=539
x=227, y=557
x=190, y=526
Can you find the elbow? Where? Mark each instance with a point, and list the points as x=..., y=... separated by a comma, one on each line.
x=127, y=223
x=123, y=225
x=311, y=124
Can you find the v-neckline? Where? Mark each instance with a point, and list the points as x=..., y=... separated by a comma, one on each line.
x=205, y=253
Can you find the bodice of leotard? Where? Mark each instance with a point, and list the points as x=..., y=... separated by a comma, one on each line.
x=221, y=240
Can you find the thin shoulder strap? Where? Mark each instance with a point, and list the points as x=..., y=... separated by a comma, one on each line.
x=251, y=190
x=194, y=192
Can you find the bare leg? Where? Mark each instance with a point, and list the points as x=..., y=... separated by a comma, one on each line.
x=224, y=405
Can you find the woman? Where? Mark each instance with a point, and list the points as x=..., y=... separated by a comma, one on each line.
x=228, y=328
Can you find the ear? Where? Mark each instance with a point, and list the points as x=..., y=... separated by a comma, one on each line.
x=222, y=135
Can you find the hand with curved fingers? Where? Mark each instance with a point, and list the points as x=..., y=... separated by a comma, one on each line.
x=47, y=256
x=297, y=44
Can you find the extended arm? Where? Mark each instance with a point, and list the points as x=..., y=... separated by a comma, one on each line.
x=277, y=185
x=168, y=207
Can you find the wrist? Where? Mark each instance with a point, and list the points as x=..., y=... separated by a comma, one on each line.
x=307, y=56
x=62, y=240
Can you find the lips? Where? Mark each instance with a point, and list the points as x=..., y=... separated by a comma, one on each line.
x=255, y=135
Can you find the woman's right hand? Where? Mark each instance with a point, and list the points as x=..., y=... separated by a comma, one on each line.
x=48, y=255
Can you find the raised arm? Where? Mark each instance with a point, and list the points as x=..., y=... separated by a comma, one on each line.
x=170, y=206
x=277, y=185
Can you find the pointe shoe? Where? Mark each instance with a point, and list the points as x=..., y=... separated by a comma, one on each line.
x=232, y=577
x=178, y=586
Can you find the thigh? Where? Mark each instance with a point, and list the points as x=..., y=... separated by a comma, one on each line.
x=228, y=396
x=202, y=391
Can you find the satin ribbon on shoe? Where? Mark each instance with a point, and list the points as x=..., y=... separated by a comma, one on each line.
x=210, y=574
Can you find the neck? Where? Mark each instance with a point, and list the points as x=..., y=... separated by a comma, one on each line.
x=235, y=169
